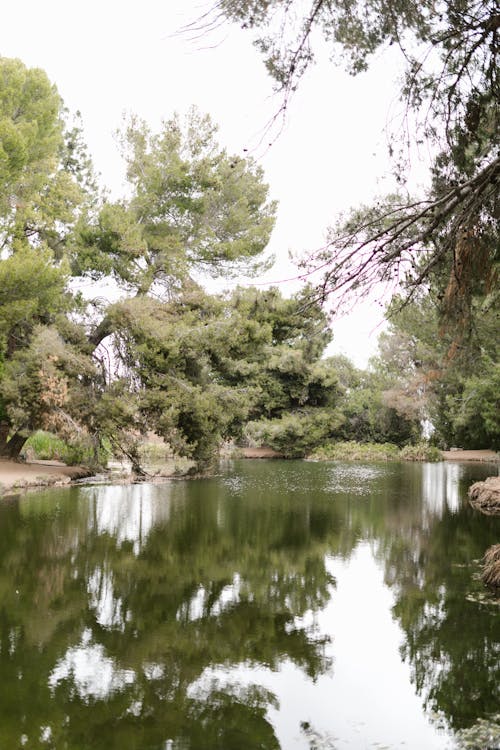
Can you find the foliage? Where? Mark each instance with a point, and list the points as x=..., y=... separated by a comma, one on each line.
x=353, y=451
x=450, y=90
x=81, y=451
x=294, y=434
x=39, y=199
x=40, y=383
x=439, y=249
x=40, y=203
x=45, y=446
x=475, y=412
x=370, y=410
x=451, y=382
x=32, y=292
x=372, y=414
x=193, y=208
x=421, y=452
x=201, y=366
x=169, y=358
x=354, y=405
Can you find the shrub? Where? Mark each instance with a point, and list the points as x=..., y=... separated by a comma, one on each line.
x=45, y=446
x=421, y=452
x=48, y=447
x=294, y=434
x=353, y=451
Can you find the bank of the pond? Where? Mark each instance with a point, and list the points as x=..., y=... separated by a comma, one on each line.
x=485, y=496
x=15, y=475
x=483, y=456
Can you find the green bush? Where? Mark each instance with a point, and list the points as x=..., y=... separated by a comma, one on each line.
x=48, y=447
x=353, y=451
x=421, y=452
x=294, y=434
x=152, y=452
x=45, y=446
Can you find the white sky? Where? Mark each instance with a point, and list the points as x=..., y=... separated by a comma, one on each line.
x=109, y=57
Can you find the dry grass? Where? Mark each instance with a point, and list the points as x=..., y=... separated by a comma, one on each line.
x=491, y=567
x=485, y=496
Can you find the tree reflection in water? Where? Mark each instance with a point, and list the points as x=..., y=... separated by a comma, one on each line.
x=128, y=594
x=126, y=612
x=452, y=640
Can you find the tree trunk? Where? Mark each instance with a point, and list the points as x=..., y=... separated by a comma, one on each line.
x=4, y=434
x=15, y=444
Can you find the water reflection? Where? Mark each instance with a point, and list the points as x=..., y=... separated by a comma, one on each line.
x=127, y=513
x=108, y=608
x=88, y=672
x=252, y=610
x=441, y=487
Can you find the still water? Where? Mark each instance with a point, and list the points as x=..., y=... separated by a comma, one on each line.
x=286, y=605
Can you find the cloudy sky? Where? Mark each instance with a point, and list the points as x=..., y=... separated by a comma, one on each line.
x=115, y=57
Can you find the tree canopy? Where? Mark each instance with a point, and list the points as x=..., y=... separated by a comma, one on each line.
x=41, y=201
x=450, y=87
x=192, y=209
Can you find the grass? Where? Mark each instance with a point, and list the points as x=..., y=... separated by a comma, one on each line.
x=48, y=447
x=421, y=452
x=156, y=456
x=154, y=452
x=44, y=446
x=353, y=451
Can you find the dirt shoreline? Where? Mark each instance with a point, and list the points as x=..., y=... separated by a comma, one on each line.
x=484, y=456
x=16, y=475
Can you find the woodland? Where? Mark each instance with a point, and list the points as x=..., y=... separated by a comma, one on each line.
x=161, y=354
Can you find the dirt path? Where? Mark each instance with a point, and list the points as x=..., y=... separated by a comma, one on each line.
x=14, y=475
x=259, y=453
x=483, y=456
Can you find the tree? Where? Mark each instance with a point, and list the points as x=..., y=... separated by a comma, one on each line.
x=451, y=90
x=374, y=413
x=194, y=209
x=453, y=385
x=296, y=393
x=39, y=199
x=40, y=202
x=199, y=367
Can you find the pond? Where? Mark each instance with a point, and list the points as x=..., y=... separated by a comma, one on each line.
x=281, y=604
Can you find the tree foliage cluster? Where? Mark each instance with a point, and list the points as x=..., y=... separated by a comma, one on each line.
x=450, y=88
x=192, y=208
x=454, y=387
